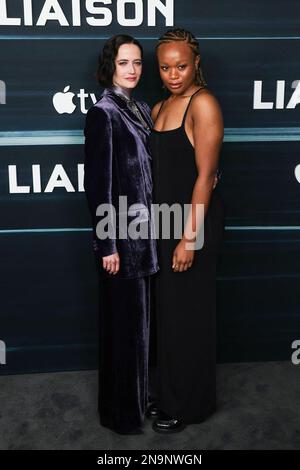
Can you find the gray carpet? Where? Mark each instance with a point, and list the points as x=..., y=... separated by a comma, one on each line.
x=258, y=408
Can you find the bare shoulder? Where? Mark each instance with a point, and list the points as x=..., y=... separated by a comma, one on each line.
x=206, y=105
x=155, y=110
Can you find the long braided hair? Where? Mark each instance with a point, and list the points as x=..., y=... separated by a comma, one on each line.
x=180, y=34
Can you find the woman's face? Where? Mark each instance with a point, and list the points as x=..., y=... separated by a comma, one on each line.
x=128, y=64
x=177, y=66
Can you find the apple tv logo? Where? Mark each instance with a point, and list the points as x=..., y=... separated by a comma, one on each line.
x=63, y=101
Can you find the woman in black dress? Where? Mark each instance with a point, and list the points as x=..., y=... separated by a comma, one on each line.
x=185, y=145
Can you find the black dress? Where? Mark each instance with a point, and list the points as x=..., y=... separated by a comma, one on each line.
x=185, y=302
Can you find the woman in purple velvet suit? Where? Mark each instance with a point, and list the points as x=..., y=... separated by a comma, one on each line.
x=118, y=167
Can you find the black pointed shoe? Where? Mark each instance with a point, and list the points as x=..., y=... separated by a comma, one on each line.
x=152, y=411
x=167, y=424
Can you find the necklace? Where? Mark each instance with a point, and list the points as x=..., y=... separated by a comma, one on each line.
x=131, y=104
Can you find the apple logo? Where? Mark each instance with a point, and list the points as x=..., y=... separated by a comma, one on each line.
x=63, y=102
x=297, y=173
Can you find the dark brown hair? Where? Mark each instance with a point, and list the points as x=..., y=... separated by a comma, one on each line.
x=106, y=62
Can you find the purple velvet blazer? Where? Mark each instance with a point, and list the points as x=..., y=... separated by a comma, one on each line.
x=118, y=163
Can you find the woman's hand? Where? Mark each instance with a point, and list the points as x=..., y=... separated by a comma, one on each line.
x=111, y=263
x=182, y=258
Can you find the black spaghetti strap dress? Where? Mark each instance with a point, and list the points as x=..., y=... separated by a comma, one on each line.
x=185, y=302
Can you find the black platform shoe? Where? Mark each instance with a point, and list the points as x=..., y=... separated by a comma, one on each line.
x=152, y=411
x=167, y=424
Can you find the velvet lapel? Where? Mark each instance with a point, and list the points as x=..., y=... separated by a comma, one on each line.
x=121, y=104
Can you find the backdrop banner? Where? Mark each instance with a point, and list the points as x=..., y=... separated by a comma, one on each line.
x=48, y=59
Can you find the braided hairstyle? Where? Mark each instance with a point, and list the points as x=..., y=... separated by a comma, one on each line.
x=180, y=34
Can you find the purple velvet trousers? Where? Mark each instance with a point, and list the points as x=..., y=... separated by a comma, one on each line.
x=124, y=322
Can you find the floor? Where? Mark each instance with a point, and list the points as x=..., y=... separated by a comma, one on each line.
x=258, y=408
